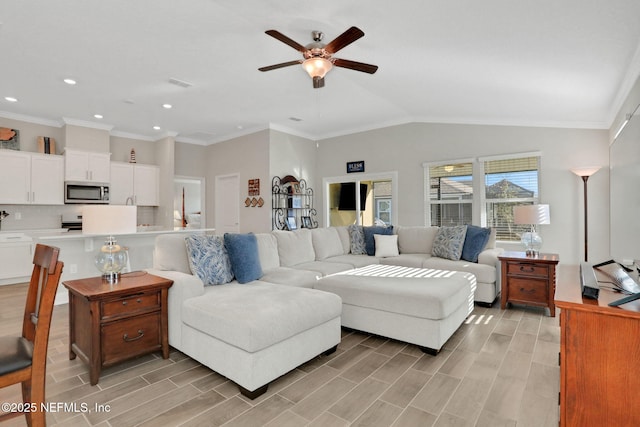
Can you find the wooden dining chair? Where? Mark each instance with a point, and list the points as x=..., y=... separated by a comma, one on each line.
x=23, y=359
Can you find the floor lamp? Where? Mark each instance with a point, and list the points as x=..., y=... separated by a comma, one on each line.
x=585, y=173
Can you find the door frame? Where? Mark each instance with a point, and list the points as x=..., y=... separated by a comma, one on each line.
x=217, y=202
x=203, y=195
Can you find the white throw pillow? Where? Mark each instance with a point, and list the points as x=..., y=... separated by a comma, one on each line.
x=386, y=245
x=326, y=243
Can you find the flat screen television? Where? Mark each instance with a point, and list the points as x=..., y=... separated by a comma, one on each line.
x=348, y=196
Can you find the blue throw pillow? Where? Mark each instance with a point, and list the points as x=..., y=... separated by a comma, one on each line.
x=208, y=259
x=243, y=253
x=474, y=242
x=369, y=241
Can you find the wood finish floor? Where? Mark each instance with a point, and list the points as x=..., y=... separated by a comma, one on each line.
x=499, y=369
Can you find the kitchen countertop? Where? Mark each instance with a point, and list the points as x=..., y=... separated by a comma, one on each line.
x=64, y=234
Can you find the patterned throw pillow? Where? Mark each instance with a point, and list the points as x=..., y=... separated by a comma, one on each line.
x=208, y=259
x=356, y=232
x=449, y=242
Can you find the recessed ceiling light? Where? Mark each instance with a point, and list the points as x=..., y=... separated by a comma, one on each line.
x=97, y=116
x=69, y=81
x=167, y=106
x=11, y=99
x=156, y=127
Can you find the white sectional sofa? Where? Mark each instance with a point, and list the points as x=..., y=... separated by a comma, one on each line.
x=255, y=332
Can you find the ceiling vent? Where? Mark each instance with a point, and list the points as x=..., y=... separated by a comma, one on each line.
x=179, y=82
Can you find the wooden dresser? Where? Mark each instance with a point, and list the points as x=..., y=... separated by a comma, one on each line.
x=528, y=280
x=110, y=323
x=599, y=356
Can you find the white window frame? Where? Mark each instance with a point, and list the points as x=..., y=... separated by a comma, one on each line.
x=382, y=176
x=479, y=200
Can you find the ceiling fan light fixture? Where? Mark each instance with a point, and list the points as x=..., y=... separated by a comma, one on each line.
x=317, y=67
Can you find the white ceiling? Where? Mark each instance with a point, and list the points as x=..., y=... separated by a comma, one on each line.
x=567, y=63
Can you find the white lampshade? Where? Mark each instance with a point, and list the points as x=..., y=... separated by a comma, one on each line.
x=317, y=67
x=109, y=219
x=587, y=171
x=531, y=214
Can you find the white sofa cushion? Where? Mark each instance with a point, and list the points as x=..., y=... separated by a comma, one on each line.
x=343, y=232
x=483, y=272
x=406, y=260
x=257, y=315
x=355, y=261
x=291, y=276
x=268, y=251
x=324, y=268
x=295, y=247
x=170, y=253
x=326, y=243
x=416, y=239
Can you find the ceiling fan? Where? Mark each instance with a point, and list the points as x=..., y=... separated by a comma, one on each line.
x=318, y=57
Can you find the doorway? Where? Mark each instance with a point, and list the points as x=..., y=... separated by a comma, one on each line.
x=189, y=202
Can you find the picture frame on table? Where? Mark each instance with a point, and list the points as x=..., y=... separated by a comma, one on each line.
x=291, y=223
x=306, y=222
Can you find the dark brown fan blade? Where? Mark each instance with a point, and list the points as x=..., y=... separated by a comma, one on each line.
x=286, y=40
x=344, y=39
x=358, y=66
x=281, y=65
x=318, y=82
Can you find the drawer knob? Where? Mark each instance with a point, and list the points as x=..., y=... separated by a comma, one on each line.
x=138, y=300
x=124, y=303
x=527, y=268
x=126, y=338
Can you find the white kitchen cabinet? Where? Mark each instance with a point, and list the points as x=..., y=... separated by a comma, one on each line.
x=31, y=178
x=87, y=166
x=137, y=181
x=16, y=258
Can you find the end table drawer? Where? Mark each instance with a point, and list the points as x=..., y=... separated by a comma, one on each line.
x=526, y=269
x=527, y=290
x=130, y=304
x=127, y=338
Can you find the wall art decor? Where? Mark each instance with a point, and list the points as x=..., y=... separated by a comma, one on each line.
x=254, y=187
x=355, y=166
x=10, y=139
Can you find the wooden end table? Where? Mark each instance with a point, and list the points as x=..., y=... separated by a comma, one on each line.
x=529, y=280
x=110, y=323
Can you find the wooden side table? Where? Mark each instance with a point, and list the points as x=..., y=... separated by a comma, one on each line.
x=112, y=323
x=529, y=280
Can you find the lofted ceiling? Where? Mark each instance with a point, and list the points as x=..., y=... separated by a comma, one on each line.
x=563, y=63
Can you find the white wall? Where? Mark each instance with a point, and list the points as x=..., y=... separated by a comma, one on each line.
x=247, y=156
x=404, y=148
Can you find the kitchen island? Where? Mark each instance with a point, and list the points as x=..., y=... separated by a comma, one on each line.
x=78, y=251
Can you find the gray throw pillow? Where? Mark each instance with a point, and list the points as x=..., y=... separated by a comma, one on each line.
x=449, y=242
x=208, y=259
x=356, y=233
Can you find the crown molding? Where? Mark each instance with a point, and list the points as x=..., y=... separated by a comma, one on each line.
x=86, y=124
x=31, y=119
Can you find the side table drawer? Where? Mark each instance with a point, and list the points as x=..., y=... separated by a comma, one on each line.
x=527, y=269
x=130, y=304
x=529, y=290
x=130, y=337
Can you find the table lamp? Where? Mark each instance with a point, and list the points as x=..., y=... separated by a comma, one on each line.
x=110, y=220
x=531, y=215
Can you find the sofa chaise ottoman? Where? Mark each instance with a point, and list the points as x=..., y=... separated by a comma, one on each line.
x=254, y=333
x=416, y=305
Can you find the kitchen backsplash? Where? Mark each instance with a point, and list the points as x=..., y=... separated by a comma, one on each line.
x=29, y=217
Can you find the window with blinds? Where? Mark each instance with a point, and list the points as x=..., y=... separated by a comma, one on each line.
x=507, y=183
x=451, y=193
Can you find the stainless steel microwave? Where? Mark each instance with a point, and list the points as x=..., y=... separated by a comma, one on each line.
x=86, y=192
